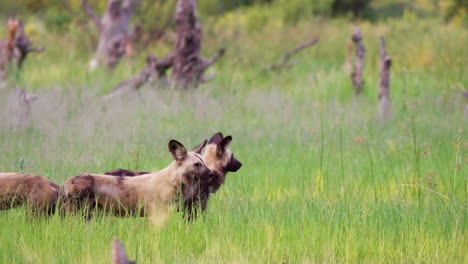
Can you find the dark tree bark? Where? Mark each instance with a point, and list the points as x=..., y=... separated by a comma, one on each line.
x=285, y=59
x=188, y=67
x=384, y=82
x=113, y=31
x=356, y=75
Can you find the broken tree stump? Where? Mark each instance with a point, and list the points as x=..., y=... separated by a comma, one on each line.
x=6, y=49
x=23, y=46
x=118, y=253
x=188, y=68
x=14, y=50
x=384, y=83
x=283, y=62
x=113, y=31
x=356, y=75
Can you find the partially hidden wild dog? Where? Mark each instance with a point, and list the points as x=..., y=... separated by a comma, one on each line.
x=36, y=192
x=124, y=195
x=218, y=158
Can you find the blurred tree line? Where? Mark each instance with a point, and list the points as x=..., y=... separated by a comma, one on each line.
x=157, y=14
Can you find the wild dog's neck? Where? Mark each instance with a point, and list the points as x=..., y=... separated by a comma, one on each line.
x=213, y=162
x=169, y=175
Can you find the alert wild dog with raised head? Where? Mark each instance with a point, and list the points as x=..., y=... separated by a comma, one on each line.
x=218, y=158
x=39, y=194
x=124, y=195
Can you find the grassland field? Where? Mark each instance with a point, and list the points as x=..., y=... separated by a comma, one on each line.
x=323, y=181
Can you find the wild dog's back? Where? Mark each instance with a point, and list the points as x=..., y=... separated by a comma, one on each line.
x=117, y=194
x=20, y=188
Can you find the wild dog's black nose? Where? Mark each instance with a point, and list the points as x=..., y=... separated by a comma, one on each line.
x=234, y=165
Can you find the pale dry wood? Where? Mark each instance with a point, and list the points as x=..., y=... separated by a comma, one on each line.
x=113, y=29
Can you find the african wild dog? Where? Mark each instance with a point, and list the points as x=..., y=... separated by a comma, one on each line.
x=218, y=158
x=140, y=195
x=36, y=192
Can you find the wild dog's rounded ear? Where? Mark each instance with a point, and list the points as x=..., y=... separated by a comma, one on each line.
x=216, y=138
x=221, y=148
x=177, y=150
x=198, y=149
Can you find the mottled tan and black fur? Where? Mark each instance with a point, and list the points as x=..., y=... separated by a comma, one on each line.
x=36, y=192
x=123, y=195
x=218, y=158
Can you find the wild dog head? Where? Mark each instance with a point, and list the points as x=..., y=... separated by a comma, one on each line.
x=191, y=166
x=220, y=158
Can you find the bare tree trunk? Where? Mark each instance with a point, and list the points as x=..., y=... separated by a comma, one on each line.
x=356, y=75
x=384, y=83
x=188, y=67
x=113, y=31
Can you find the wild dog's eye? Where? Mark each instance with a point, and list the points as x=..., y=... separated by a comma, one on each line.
x=197, y=165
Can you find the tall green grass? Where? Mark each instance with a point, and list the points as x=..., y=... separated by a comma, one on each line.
x=323, y=181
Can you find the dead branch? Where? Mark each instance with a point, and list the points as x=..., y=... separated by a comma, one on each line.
x=153, y=68
x=118, y=253
x=356, y=75
x=284, y=61
x=208, y=62
x=384, y=82
x=88, y=10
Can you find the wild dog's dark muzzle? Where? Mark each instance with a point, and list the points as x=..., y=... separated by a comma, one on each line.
x=233, y=165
